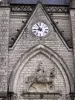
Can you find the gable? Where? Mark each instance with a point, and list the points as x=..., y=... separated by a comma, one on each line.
x=40, y=15
x=26, y=40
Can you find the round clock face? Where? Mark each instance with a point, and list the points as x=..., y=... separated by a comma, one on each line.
x=40, y=29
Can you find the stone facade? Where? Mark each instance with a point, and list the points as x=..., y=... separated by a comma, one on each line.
x=33, y=67
x=4, y=35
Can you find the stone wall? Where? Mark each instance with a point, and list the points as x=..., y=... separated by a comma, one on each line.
x=63, y=23
x=72, y=15
x=16, y=22
x=61, y=20
x=9, y=27
x=27, y=41
x=4, y=35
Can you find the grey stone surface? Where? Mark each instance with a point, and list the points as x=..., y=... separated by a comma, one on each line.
x=21, y=61
x=72, y=14
x=4, y=35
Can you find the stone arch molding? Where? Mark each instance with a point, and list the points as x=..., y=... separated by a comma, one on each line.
x=48, y=53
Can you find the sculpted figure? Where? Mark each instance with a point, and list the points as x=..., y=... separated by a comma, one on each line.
x=41, y=77
x=40, y=74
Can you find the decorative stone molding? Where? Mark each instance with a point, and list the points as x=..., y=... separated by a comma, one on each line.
x=43, y=95
x=57, y=9
x=49, y=9
x=26, y=8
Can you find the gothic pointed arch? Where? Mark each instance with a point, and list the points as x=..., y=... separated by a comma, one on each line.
x=50, y=54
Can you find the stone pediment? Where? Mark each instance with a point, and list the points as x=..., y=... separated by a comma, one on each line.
x=40, y=14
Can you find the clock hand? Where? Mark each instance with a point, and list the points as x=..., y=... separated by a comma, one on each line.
x=35, y=29
x=39, y=28
x=38, y=25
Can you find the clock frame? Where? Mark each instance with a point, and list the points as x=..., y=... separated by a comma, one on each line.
x=40, y=29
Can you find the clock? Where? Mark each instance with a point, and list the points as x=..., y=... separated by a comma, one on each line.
x=40, y=29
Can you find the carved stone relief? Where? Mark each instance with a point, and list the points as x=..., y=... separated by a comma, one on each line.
x=40, y=77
